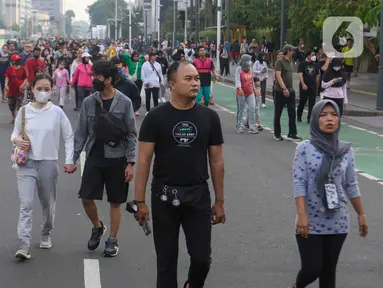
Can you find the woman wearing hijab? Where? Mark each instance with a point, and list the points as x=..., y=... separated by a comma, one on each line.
x=324, y=177
x=260, y=71
x=245, y=94
x=334, y=84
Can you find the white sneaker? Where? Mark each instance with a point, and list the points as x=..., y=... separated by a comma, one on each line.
x=146, y=113
x=23, y=253
x=45, y=242
x=263, y=105
x=163, y=100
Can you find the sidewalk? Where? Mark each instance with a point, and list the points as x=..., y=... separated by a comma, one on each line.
x=361, y=96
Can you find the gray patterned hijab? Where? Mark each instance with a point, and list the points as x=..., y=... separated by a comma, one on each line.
x=245, y=62
x=328, y=144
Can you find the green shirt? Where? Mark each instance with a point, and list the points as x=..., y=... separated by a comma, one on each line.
x=287, y=69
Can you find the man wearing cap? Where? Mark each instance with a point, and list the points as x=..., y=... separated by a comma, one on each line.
x=285, y=94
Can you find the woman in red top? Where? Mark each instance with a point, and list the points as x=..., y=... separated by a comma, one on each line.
x=16, y=81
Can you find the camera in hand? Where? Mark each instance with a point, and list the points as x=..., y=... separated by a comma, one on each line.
x=131, y=207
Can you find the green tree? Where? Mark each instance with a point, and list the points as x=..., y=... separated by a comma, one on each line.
x=15, y=27
x=102, y=10
x=69, y=15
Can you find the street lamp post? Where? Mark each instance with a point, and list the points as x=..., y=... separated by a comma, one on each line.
x=186, y=21
x=219, y=19
x=379, y=98
x=115, y=20
x=283, y=28
x=174, y=23
x=130, y=26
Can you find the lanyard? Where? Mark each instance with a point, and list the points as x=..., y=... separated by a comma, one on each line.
x=329, y=173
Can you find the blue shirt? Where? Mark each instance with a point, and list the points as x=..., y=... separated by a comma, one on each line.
x=307, y=160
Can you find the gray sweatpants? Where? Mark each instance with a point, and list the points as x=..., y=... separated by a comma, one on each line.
x=40, y=175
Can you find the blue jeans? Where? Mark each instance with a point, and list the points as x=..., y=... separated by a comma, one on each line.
x=251, y=110
x=205, y=91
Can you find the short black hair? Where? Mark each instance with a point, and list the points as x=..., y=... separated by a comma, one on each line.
x=37, y=49
x=116, y=60
x=200, y=47
x=173, y=69
x=106, y=69
x=41, y=77
x=309, y=52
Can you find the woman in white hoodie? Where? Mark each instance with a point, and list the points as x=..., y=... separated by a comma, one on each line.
x=44, y=124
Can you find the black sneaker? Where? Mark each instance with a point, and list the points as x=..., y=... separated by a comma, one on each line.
x=96, y=236
x=299, y=119
x=294, y=138
x=278, y=138
x=111, y=248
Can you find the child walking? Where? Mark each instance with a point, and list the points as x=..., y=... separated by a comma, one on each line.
x=258, y=102
x=61, y=77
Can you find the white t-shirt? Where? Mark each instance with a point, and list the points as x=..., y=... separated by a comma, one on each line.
x=44, y=128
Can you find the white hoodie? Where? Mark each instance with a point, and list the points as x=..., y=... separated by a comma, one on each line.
x=44, y=127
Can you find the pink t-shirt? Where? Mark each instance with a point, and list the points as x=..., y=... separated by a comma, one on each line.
x=62, y=77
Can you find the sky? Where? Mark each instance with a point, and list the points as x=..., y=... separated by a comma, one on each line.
x=79, y=7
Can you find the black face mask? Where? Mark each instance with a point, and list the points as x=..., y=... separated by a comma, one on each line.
x=36, y=56
x=98, y=85
x=17, y=62
x=84, y=61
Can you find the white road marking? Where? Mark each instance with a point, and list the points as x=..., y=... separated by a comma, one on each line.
x=82, y=162
x=92, y=277
x=360, y=172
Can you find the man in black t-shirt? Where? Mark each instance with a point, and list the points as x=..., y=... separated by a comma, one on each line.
x=182, y=134
x=309, y=76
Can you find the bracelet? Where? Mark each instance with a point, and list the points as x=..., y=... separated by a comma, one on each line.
x=138, y=202
x=362, y=216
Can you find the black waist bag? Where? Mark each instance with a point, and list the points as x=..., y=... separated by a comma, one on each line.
x=108, y=128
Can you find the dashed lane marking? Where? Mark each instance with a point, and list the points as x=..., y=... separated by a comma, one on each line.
x=360, y=172
x=92, y=277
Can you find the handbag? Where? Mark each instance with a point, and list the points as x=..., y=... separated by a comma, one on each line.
x=109, y=128
x=20, y=156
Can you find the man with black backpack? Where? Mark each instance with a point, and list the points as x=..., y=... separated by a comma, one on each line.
x=107, y=126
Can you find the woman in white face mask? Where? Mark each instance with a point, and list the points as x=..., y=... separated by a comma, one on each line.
x=44, y=124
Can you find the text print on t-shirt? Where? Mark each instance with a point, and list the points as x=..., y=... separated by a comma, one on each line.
x=184, y=133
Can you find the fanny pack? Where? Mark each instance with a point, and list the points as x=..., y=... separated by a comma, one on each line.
x=182, y=195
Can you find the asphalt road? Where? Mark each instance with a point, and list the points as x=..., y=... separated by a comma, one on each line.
x=254, y=249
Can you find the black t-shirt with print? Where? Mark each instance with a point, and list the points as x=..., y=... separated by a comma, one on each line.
x=182, y=139
x=310, y=72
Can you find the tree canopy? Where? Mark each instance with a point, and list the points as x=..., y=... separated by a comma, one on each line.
x=102, y=10
x=69, y=15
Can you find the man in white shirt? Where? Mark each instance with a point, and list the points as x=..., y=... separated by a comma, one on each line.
x=152, y=78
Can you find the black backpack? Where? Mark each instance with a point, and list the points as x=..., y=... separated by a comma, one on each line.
x=108, y=128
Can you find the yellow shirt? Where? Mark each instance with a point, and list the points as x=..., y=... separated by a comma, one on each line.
x=348, y=61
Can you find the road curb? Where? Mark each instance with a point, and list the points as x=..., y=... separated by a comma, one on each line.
x=350, y=113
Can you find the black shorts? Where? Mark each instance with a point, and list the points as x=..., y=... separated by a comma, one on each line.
x=112, y=177
x=348, y=68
